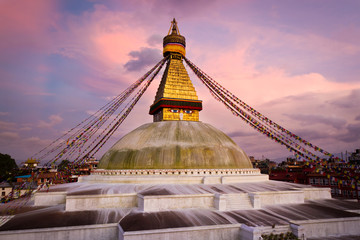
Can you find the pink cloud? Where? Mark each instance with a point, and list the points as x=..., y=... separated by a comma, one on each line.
x=8, y=136
x=25, y=24
x=53, y=120
x=7, y=125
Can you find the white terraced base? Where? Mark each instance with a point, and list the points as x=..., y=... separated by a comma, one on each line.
x=238, y=207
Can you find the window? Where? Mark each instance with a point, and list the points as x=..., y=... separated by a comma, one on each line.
x=3, y=194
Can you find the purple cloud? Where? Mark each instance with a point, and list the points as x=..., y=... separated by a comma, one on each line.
x=311, y=119
x=143, y=58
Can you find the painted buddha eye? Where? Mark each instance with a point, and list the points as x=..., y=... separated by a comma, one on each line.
x=188, y=111
x=174, y=110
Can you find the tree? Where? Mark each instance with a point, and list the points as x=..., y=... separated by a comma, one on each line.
x=64, y=165
x=8, y=167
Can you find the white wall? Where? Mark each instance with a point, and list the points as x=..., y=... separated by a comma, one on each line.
x=214, y=232
x=88, y=232
x=90, y=202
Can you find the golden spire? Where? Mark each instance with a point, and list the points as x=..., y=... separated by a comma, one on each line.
x=174, y=42
x=174, y=27
x=176, y=97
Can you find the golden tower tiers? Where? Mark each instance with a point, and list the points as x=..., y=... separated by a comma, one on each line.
x=176, y=98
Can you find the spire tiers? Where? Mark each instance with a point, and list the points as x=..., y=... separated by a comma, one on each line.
x=176, y=98
x=174, y=42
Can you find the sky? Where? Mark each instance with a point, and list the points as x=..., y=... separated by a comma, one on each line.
x=296, y=62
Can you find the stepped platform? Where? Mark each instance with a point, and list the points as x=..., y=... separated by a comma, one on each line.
x=240, y=210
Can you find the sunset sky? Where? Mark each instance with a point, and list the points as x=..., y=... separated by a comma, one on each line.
x=297, y=62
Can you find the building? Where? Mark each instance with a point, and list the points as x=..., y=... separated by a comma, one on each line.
x=6, y=189
x=179, y=178
x=265, y=165
x=292, y=171
x=340, y=177
x=89, y=165
x=342, y=185
x=31, y=163
x=354, y=157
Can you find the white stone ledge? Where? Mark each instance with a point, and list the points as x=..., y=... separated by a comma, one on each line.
x=91, y=202
x=244, y=178
x=89, y=232
x=261, y=199
x=201, y=195
x=100, y=196
x=327, y=220
x=211, y=232
x=143, y=179
x=314, y=193
x=171, y=202
x=173, y=179
x=322, y=228
x=353, y=210
x=49, y=198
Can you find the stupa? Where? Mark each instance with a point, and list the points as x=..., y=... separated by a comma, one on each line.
x=176, y=139
x=180, y=178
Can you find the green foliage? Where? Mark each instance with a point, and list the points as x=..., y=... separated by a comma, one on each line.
x=281, y=236
x=8, y=167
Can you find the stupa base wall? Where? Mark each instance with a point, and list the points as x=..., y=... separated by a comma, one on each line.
x=304, y=229
x=321, y=228
x=149, y=203
x=213, y=232
x=261, y=199
x=173, y=176
x=316, y=193
x=91, y=202
x=192, y=172
x=172, y=202
x=89, y=232
x=50, y=198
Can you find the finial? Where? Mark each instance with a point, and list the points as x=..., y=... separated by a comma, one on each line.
x=174, y=28
x=174, y=42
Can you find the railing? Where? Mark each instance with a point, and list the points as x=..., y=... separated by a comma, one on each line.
x=189, y=172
